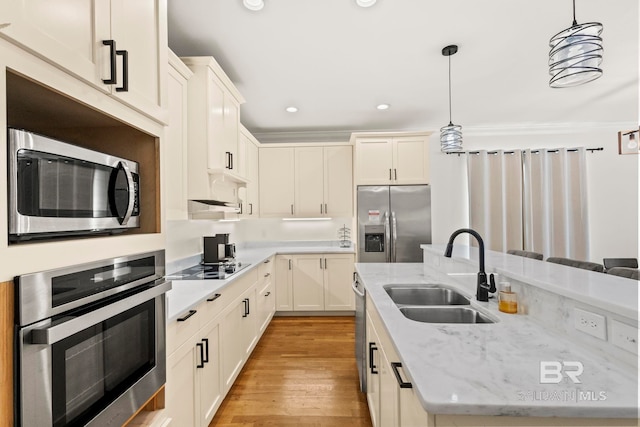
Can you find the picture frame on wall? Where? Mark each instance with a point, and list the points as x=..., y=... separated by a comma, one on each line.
x=629, y=142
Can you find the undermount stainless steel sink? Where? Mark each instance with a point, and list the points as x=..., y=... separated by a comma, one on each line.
x=425, y=314
x=425, y=295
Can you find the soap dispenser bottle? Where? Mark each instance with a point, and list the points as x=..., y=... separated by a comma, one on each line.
x=507, y=299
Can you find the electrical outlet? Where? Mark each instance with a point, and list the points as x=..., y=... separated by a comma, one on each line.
x=590, y=323
x=624, y=336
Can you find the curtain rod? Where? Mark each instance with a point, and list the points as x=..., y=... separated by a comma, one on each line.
x=533, y=151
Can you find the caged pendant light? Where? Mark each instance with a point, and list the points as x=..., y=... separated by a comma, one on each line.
x=450, y=135
x=576, y=54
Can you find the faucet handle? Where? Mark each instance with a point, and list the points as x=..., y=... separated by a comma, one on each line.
x=492, y=284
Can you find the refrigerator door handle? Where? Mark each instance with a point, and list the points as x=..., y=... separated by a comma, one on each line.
x=387, y=238
x=395, y=235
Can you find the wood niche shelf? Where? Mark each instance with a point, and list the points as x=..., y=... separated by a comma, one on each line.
x=40, y=109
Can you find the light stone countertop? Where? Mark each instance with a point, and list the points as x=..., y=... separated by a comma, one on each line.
x=187, y=294
x=494, y=369
x=609, y=292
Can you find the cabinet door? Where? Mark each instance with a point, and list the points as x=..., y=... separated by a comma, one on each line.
x=338, y=274
x=411, y=412
x=253, y=207
x=373, y=373
x=277, y=178
x=232, y=343
x=231, y=132
x=374, y=161
x=249, y=329
x=215, y=123
x=139, y=28
x=181, y=390
x=175, y=155
x=338, y=181
x=284, y=283
x=210, y=385
x=265, y=303
x=411, y=160
x=309, y=181
x=388, y=393
x=308, y=289
x=68, y=33
x=241, y=167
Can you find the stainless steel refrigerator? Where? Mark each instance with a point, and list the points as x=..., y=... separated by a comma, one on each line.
x=393, y=221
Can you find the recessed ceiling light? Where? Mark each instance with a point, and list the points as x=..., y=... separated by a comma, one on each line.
x=383, y=107
x=253, y=4
x=365, y=3
x=292, y=109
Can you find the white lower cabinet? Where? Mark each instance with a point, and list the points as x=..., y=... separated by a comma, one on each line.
x=238, y=335
x=392, y=401
x=209, y=345
x=193, y=391
x=314, y=282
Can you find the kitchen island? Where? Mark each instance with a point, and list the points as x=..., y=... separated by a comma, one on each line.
x=490, y=374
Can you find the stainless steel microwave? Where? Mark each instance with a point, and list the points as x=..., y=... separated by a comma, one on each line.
x=58, y=189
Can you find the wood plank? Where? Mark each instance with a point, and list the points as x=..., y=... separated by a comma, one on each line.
x=6, y=354
x=155, y=403
x=302, y=373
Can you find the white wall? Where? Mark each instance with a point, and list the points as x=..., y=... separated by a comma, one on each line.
x=184, y=237
x=277, y=229
x=612, y=184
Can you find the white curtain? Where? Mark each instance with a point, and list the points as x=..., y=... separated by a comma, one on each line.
x=555, y=203
x=533, y=200
x=495, y=198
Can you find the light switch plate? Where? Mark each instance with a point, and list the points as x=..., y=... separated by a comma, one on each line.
x=590, y=323
x=624, y=336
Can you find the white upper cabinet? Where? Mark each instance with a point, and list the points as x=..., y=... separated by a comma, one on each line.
x=392, y=160
x=175, y=145
x=277, y=177
x=214, y=115
x=309, y=182
x=313, y=181
x=338, y=181
x=248, y=167
x=116, y=45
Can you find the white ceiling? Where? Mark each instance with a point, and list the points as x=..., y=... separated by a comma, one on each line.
x=336, y=61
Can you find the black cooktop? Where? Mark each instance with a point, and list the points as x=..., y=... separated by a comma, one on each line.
x=222, y=270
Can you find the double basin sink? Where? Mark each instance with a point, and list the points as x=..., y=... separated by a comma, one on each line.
x=434, y=303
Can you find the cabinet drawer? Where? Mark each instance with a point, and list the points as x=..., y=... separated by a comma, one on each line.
x=179, y=331
x=265, y=270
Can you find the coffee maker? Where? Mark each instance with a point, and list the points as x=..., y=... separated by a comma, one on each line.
x=218, y=250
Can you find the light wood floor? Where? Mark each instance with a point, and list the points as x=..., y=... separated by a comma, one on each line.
x=302, y=373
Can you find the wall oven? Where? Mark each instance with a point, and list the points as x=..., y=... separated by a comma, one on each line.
x=90, y=341
x=57, y=189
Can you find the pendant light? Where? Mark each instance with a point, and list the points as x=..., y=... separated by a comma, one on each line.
x=450, y=135
x=576, y=54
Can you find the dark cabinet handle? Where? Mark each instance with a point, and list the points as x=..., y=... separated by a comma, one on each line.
x=241, y=208
x=205, y=359
x=267, y=275
x=228, y=160
x=267, y=294
x=389, y=174
x=246, y=307
x=201, y=347
x=395, y=174
x=214, y=297
x=250, y=208
x=112, y=55
x=402, y=384
x=231, y=155
x=188, y=315
x=372, y=366
x=267, y=261
x=125, y=71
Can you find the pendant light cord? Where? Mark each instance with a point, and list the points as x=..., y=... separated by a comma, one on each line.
x=575, y=23
x=450, y=122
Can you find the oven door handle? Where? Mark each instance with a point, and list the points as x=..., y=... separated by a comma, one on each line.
x=56, y=333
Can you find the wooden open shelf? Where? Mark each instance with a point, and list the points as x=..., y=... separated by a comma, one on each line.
x=37, y=108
